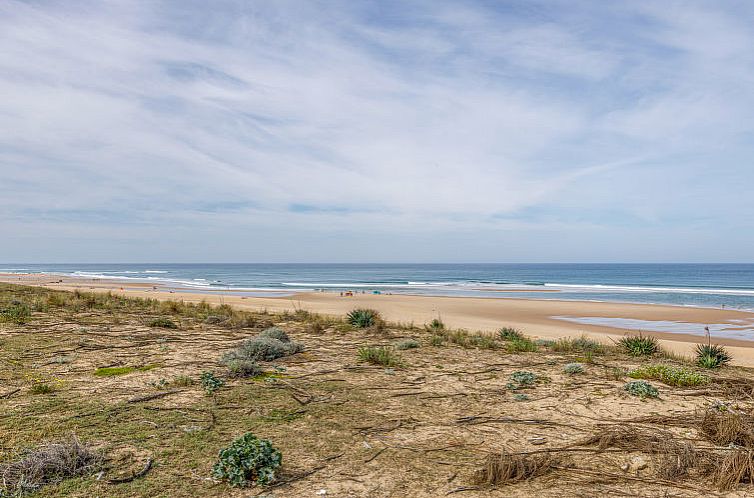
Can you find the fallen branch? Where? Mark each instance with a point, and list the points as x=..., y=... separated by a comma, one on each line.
x=9, y=393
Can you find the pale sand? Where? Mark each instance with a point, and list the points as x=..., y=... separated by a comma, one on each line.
x=533, y=317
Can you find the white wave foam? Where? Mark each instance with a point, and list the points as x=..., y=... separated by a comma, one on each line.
x=632, y=288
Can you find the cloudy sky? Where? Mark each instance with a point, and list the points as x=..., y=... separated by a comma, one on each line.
x=459, y=131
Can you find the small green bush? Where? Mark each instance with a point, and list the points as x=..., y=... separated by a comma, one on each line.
x=407, y=344
x=17, y=312
x=639, y=345
x=436, y=340
x=481, y=341
x=262, y=349
x=712, y=355
x=578, y=345
x=509, y=334
x=641, y=389
x=545, y=343
x=164, y=323
x=41, y=388
x=521, y=345
x=670, y=375
x=248, y=459
x=210, y=383
x=521, y=379
x=435, y=325
x=275, y=333
x=363, y=318
x=573, y=368
x=380, y=356
x=243, y=368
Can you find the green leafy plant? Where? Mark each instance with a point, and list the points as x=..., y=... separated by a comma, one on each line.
x=247, y=460
x=435, y=325
x=509, y=334
x=712, y=355
x=521, y=379
x=407, y=344
x=363, y=318
x=164, y=323
x=639, y=345
x=521, y=345
x=380, y=356
x=578, y=345
x=436, y=340
x=670, y=375
x=641, y=389
x=263, y=348
x=573, y=368
x=210, y=383
x=17, y=312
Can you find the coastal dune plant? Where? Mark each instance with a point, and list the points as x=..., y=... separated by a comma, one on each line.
x=435, y=325
x=407, y=344
x=164, y=323
x=577, y=345
x=269, y=345
x=380, y=356
x=509, y=334
x=712, y=355
x=363, y=318
x=248, y=460
x=642, y=389
x=639, y=345
x=16, y=312
x=670, y=375
x=573, y=368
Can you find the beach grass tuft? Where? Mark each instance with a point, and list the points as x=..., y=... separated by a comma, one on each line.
x=639, y=345
x=380, y=356
x=712, y=355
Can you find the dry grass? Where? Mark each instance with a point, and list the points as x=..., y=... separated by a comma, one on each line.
x=507, y=468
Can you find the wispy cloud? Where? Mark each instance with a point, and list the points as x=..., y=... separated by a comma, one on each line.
x=374, y=124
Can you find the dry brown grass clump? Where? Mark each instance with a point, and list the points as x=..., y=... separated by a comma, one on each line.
x=735, y=467
x=509, y=468
x=50, y=463
x=727, y=427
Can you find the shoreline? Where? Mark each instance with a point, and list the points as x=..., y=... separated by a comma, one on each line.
x=534, y=317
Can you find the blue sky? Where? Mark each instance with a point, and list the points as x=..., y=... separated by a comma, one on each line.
x=383, y=131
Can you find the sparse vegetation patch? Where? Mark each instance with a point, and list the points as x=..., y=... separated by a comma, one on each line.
x=670, y=375
x=380, y=356
x=248, y=460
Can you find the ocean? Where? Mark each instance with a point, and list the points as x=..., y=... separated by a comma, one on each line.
x=704, y=285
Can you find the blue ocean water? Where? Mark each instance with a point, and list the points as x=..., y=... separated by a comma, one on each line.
x=706, y=285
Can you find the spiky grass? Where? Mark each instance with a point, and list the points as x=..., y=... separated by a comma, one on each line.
x=639, y=345
x=712, y=355
x=363, y=318
x=509, y=334
x=380, y=356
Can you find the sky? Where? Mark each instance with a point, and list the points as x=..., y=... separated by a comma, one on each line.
x=376, y=131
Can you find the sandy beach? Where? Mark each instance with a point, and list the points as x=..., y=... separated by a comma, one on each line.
x=533, y=317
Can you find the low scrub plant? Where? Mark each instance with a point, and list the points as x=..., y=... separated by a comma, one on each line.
x=641, y=388
x=48, y=464
x=435, y=325
x=275, y=333
x=521, y=345
x=265, y=347
x=545, y=343
x=639, y=345
x=578, y=345
x=407, y=344
x=182, y=381
x=163, y=323
x=210, y=383
x=521, y=379
x=243, y=368
x=363, y=318
x=380, y=356
x=712, y=355
x=573, y=368
x=16, y=312
x=248, y=460
x=670, y=375
x=509, y=334
x=436, y=340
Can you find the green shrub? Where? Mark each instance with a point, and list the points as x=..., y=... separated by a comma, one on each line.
x=436, y=340
x=182, y=381
x=407, y=344
x=573, y=368
x=712, y=355
x=380, y=356
x=248, y=459
x=17, y=312
x=482, y=341
x=243, y=368
x=435, y=325
x=670, y=375
x=578, y=345
x=164, y=323
x=521, y=379
x=639, y=345
x=509, y=334
x=363, y=318
x=42, y=388
x=545, y=343
x=275, y=333
x=262, y=349
x=210, y=383
x=641, y=389
x=521, y=345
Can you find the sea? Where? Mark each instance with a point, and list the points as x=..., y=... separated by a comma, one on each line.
x=701, y=285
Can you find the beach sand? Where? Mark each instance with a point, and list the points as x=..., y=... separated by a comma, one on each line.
x=533, y=317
